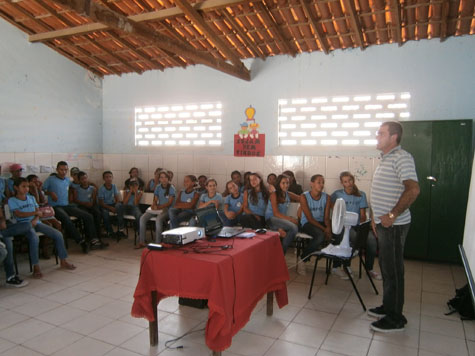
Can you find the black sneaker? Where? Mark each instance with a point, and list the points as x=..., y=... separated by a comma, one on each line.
x=16, y=282
x=377, y=312
x=387, y=325
x=95, y=244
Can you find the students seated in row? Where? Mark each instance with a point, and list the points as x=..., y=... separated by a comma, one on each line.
x=15, y=170
x=154, y=182
x=185, y=203
x=163, y=197
x=255, y=203
x=108, y=198
x=233, y=205
x=276, y=211
x=134, y=174
x=56, y=187
x=355, y=201
x=7, y=232
x=85, y=197
x=129, y=206
x=25, y=209
x=315, y=220
x=202, y=179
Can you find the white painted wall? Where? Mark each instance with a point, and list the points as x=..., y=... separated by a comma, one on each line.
x=439, y=77
x=47, y=102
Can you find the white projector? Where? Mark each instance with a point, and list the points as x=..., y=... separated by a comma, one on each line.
x=183, y=235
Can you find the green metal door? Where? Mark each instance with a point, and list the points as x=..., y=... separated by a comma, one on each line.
x=417, y=140
x=442, y=152
x=451, y=169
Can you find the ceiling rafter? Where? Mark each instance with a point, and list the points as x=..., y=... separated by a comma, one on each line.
x=355, y=22
x=93, y=43
x=20, y=26
x=274, y=28
x=148, y=16
x=238, y=29
x=199, y=21
x=99, y=61
x=316, y=29
x=396, y=16
x=99, y=13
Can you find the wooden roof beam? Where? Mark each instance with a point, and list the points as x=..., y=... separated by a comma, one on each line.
x=315, y=28
x=79, y=49
x=62, y=18
x=148, y=16
x=443, y=25
x=199, y=21
x=355, y=22
x=396, y=17
x=99, y=13
x=136, y=51
x=272, y=25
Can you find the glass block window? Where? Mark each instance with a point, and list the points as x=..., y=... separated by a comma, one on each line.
x=178, y=125
x=338, y=120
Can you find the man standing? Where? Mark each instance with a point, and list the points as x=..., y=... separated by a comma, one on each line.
x=393, y=190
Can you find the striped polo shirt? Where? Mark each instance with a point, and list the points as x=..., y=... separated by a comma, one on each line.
x=388, y=184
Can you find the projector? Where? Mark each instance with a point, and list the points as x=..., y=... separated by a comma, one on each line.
x=183, y=235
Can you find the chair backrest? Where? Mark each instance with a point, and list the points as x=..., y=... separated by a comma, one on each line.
x=147, y=198
x=7, y=212
x=293, y=209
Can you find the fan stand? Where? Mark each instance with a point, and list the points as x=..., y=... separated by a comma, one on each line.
x=343, y=249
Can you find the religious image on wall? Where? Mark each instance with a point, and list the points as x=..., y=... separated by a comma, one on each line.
x=249, y=142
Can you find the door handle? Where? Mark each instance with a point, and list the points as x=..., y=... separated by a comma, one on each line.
x=432, y=178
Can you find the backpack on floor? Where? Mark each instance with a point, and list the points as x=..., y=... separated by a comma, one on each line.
x=462, y=303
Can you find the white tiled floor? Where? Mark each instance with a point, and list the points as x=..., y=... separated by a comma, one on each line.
x=86, y=312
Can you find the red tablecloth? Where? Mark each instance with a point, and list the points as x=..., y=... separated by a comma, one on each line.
x=233, y=281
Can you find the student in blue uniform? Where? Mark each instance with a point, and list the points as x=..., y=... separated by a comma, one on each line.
x=185, y=203
x=85, y=197
x=276, y=212
x=134, y=174
x=355, y=201
x=211, y=196
x=154, y=182
x=201, y=188
x=315, y=220
x=255, y=203
x=164, y=195
x=2, y=189
x=25, y=209
x=233, y=205
x=108, y=198
x=56, y=187
x=130, y=205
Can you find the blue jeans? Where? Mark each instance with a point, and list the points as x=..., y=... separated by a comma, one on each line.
x=23, y=228
x=56, y=236
x=179, y=215
x=123, y=209
x=289, y=227
x=106, y=217
x=391, y=260
x=3, y=253
x=318, y=237
x=160, y=219
x=228, y=222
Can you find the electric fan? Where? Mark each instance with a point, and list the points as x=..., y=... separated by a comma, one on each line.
x=341, y=218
